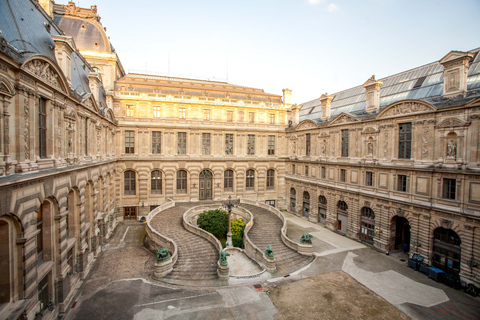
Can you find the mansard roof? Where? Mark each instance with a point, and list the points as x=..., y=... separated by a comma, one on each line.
x=423, y=83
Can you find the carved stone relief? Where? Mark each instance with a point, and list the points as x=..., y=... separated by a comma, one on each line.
x=42, y=70
x=425, y=141
x=26, y=129
x=452, y=80
x=406, y=108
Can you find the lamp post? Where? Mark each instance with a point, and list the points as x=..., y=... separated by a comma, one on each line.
x=229, y=204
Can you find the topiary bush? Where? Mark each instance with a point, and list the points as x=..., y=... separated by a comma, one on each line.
x=214, y=221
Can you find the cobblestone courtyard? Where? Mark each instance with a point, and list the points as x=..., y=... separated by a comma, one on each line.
x=346, y=281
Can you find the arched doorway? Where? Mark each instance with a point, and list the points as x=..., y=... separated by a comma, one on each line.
x=400, y=230
x=367, y=225
x=306, y=204
x=205, y=185
x=322, y=209
x=446, y=250
x=342, y=217
x=293, y=200
x=5, y=279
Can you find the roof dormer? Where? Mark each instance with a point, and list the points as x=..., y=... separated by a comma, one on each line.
x=455, y=69
x=325, y=101
x=372, y=94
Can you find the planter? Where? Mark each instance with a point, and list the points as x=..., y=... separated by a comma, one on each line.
x=435, y=274
x=423, y=267
x=413, y=264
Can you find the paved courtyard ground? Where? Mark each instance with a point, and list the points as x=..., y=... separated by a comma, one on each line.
x=346, y=281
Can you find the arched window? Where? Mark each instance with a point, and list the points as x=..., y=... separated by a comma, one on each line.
x=446, y=250
x=306, y=204
x=322, y=209
x=129, y=183
x=270, y=179
x=156, y=182
x=367, y=224
x=228, y=180
x=250, y=180
x=342, y=205
x=342, y=217
x=293, y=199
x=181, y=181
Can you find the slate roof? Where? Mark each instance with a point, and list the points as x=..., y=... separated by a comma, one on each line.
x=401, y=86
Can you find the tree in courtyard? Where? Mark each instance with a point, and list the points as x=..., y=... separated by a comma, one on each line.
x=214, y=221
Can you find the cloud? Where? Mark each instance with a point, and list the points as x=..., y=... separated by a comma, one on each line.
x=332, y=7
x=315, y=2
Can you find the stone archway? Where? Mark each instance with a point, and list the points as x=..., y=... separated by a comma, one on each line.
x=400, y=233
x=342, y=217
x=446, y=250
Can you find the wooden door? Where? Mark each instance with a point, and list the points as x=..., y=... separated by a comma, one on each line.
x=205, y=185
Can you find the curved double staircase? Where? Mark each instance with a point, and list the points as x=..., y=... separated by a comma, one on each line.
x=197, y=257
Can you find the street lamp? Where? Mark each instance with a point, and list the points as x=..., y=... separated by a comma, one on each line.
x=229, y=204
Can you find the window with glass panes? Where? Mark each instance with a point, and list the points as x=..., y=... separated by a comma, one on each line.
x=129, y=141
x=181, y=113
x=345, y=143
x=306, y=170
x=404, y=140
x=156, y=182
x=307, y=144
x=181, y=181
x=324, y=172
x=129, y=183
x=42, y=127
x=449, y=188
x=270, y=179
x=271, y=118
x=156, y=111
x=369, y=178
x=251, y=144
x=402, y=183
x=250, y=180
x=206, y=114
x=206, y=143
x=156, y=142
x=182, y=143
x=228, y=180
x=343, y=175
x=130, y=110
x=229, y=143
x=271, y=145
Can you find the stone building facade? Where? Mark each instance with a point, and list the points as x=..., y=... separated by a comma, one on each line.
x=84, y=145
x=396, y=162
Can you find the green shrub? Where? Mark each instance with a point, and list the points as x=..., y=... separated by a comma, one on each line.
x=214, y=221
x=238, y=227
x=237, y=241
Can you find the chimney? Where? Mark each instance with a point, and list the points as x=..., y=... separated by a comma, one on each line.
x=372, y=92
x=287, y=96
x=325, y=100
x=293, y=115
x=455, y=69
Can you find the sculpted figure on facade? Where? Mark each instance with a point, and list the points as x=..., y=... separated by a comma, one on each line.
x=370, y=149
x=451, y=148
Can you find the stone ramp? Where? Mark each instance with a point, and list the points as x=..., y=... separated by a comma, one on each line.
x=266, y=230
x=197, y=257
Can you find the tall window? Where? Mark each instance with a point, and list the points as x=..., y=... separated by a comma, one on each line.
x=293, y=169
x=404, y=140
x=251, y=117
x=369, y=178
x=306, y=170
x=449, y=188
x=181, y=181
x=229, y=115
x=229, y=143
x=42, y=127
x=129, y=141
x=270, y=179
x=402, y=183
x=86, y=136
x=205, y=143
x=156, y=111
x=156, y=182
x=345, y=143
x=181, y=113
x=271, y=118
x=228, y=180
x=271, y=145
x=307, y=144
x=250, y=180
x=129, y=183
x=40, y=235
x=367, y=224
x=43, y=293
x=324, y=172
x=156, y=142
x=343, y=175
x=130, y=110
x=182, y=143
x=206, y=114
x=251, y=144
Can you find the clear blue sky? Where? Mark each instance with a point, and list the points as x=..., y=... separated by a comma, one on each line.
x=309, y=46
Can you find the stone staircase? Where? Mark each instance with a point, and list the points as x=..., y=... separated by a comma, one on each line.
x=197, y=257
x=266, y=231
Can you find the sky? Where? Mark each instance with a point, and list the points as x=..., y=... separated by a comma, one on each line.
x=309, y=46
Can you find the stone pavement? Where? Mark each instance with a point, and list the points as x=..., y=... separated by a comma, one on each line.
x=120, y=286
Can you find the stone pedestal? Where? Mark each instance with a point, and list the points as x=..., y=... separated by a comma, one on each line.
x=269, y=264
x=223, y=271
x=163, y=268
x=229, y=243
